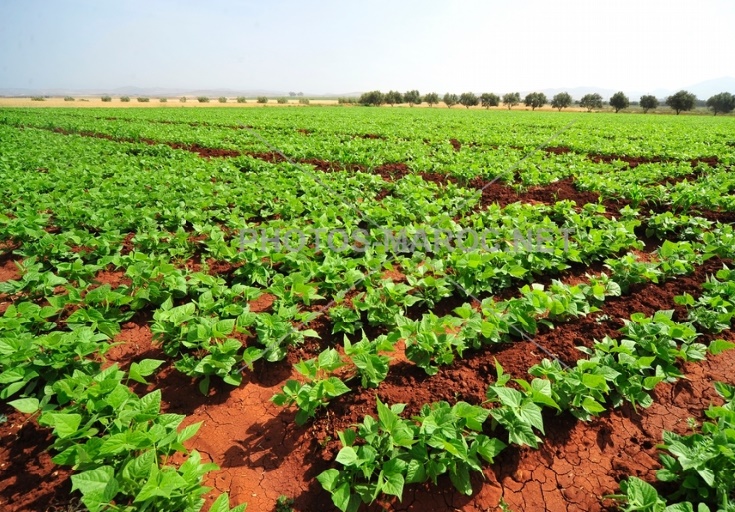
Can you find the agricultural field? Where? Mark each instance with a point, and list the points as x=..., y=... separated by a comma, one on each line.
x=358, y=308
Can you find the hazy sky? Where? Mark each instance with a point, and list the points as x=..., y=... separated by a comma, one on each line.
x=339, y=46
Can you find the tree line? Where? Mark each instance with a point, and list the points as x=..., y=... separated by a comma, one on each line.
x=679, y=102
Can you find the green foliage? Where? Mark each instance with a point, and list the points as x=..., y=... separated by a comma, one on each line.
x=38, y=98
x=163, y=100
x=393, y=452
x=699, y=466
x=241, y=99
x=723, y=102
x=68, y=98
x=432, y=99
x=489, y=99
x=304, y=101
x=182, y=99
x=648, y=102
x=535, y=100
x=203, y=99
x=321, y=385
x=143, y=99
x=561, y=100
x=592, y=101
x=284, y=504
x=619, y=101
x=282, y=101
x=469, y=99
x=222, y=99
x=372, y=98
x=412, y=97
x=681, y=101
x=366, y=355
x=450, y=100
x=511, y=99
x=125, y=99
x=393, y=97
x=106, y=99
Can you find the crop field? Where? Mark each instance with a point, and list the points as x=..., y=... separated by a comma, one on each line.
x=333, y=308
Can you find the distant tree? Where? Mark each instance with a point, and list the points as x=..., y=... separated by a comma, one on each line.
x=241, y=99
x=488, y=99
x=450, y=100
x=373, y=98
x=106, y=98
x=222, y=99
x=282, y=100
x=304, y=101
x=432, y=99
x=262, y=99
x=182, y=99
x=511, y=99
x=347, y=101
x=393, y=97
x=469, y=99
x=723, y=102
x=38, y=98
x=202, y=99
x=68, y=98
x=681, y=101
x=292, y=94
x=300, y=94
x=619, y=101
x=125, y=99
x=163, y=100
x=647, y=102
x=591, y=101
x=535, y=100
x=412, y=97
x=143, y=99
x=561, y=100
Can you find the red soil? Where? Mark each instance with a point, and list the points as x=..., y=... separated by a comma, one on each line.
x=29, y=480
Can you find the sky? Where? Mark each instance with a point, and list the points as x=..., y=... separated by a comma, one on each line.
x=340, y=46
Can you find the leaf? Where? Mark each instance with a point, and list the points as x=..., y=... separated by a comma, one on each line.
x=341, y=497
x=394, y=480
x=347, y=456
x=222, y=504
x=328, y=479
x=461, y=479
x=719, y=346
x=188, y=432
x=138, y=371
x=641, y=494
x=98, y=487
x=592, y=406
x=25, y=405
x=66, y=424
x=685, y=507
x=508, y=396
x=415, y=472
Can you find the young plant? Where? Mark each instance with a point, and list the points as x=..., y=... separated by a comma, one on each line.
x=320, y=386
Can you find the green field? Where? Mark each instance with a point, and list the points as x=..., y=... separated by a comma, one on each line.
x=518, y=280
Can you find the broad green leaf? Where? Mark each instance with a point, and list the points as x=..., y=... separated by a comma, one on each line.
x=718, y=346
x=98, y=487
x=347, y=456
x=25, y=405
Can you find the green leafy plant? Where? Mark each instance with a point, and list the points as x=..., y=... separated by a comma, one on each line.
x=320, y=386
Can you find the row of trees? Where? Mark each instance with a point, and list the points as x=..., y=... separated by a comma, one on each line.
x=679, y=102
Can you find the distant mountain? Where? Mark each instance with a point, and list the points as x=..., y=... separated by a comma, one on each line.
x=708, y=88
x=159, y=91
x=703, y=90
